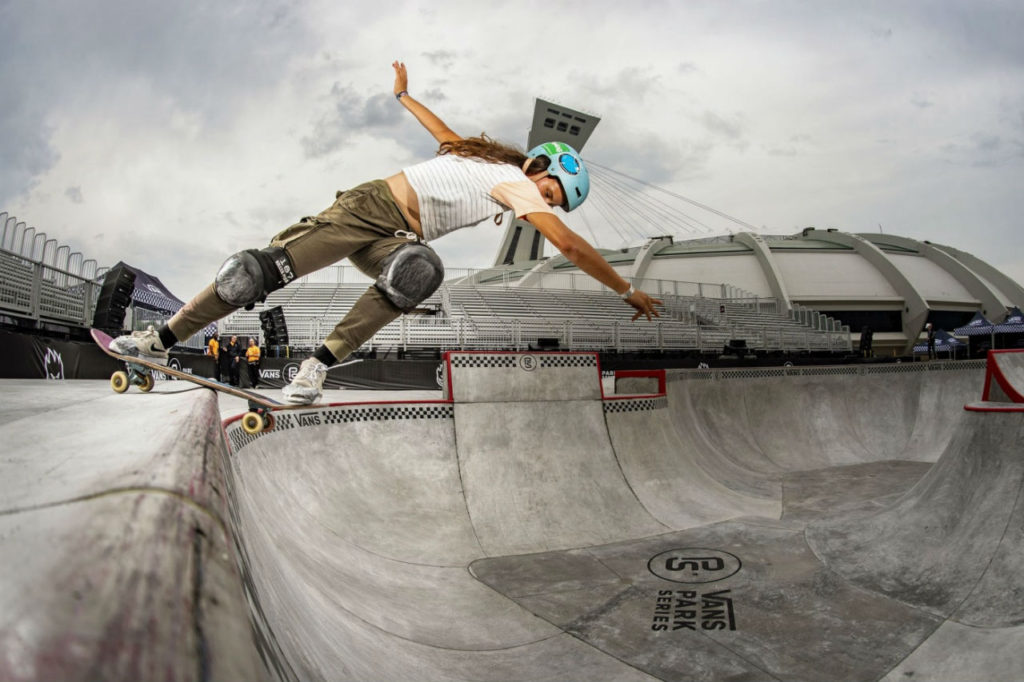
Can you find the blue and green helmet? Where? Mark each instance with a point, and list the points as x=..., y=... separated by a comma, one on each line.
x=567, y=166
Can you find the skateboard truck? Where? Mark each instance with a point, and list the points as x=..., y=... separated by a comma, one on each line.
x=135, y=375
x=257, y=419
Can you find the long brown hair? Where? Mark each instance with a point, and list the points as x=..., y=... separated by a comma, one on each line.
x=490, y=150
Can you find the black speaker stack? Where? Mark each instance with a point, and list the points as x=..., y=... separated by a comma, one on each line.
x=275, y=331
x=115, y=297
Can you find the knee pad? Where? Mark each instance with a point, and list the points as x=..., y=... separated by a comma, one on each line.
x=410, y=275
x=248, y=276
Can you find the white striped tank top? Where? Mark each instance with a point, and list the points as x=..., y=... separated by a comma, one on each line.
x=455, y=192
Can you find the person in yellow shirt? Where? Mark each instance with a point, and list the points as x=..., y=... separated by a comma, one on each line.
x=213, y=350
x=252, y=356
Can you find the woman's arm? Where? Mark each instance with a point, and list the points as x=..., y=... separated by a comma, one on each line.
x=434, y=125
x=579, y=251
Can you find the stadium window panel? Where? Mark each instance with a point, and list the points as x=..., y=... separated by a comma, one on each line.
x=878, y=320
x=949, y=319
x=549, y=123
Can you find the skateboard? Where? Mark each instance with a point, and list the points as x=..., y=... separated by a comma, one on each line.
x=139, y=372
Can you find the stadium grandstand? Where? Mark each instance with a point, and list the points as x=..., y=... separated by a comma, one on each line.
x=731, y=292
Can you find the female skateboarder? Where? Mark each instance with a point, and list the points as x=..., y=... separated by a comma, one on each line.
x=384, y=227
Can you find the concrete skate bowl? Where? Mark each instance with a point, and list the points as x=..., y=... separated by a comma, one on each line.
x=849, y=523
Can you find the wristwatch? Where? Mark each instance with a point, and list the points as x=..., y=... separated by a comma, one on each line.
x=628, y=292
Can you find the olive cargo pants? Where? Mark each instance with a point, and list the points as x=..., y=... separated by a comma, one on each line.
x=364, y=225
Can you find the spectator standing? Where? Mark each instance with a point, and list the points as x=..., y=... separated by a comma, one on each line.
x=252, y=358
x=234, y=353
x=213, y=350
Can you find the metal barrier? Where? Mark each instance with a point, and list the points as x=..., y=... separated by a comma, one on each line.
x=45, y=293
x=411, y=332
x=43, y=280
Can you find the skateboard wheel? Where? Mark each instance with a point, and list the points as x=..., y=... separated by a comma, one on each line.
x=252, y=423
x=119, y=381
x=268, y=421
x=148, y=382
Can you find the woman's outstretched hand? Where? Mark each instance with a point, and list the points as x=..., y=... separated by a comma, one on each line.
x=644, y=305
x=401, y=77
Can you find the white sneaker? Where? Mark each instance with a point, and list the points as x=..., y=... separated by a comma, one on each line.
x=308, y=384
x=144, y=344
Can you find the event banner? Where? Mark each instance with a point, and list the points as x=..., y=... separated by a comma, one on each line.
x=25, y=356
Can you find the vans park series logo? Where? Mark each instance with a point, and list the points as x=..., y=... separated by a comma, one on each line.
x=696, y=604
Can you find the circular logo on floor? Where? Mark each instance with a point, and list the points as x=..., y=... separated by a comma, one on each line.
x=694, y=565
x=289, y=371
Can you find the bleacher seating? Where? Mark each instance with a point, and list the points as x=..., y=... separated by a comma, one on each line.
x=463, y=314
x=480, y=316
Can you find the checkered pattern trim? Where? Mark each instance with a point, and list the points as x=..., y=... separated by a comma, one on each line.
x=635, y=405
x=376, y=413
x=512, y=360
x=239, y=438
x=476, y=360
x=295, y=419
x=568, y=361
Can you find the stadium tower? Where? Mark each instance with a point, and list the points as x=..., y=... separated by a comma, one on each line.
x=522, y=241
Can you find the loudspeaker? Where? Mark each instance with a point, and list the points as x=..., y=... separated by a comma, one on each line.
x=275, y=330
x=115, y=297
x=737, y=347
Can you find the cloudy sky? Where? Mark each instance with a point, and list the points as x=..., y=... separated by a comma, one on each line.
x=170, y=134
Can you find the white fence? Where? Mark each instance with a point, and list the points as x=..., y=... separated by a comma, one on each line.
x=45, y=281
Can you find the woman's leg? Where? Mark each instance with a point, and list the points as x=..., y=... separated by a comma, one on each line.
x=370, y=313
x=356, y=218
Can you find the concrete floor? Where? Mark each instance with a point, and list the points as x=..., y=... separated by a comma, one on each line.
x=846, y=525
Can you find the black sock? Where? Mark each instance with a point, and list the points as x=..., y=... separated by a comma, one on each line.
x=324, y=355
x=167, y=337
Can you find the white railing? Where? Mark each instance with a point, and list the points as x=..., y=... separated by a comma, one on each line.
x=44, y=280
x=45, y=293
x=511, y=333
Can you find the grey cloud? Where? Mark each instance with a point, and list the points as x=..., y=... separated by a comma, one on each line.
x=69, y=55
x=25, y=147
x=650, y=158
x=782, y=151
x=350, y=114
x=987, y=143
x=881, y=33
x=442, y=58
x=731, y=127
x=635, y=82
x=74, y=194
x=434, y=95
x=983, y=150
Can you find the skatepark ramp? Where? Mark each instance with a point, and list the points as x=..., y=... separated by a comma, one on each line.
x=847, y=523
x=529, y=527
